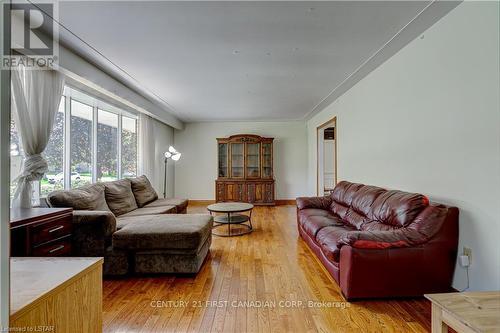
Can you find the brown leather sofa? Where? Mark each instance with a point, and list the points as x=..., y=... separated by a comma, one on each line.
x=379, y=243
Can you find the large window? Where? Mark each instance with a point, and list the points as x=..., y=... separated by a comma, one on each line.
x=91, y=141
x=129, y=147
x=107, y=146
x=81, y=144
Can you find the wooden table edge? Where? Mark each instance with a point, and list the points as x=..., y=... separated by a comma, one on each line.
x=458, y=324
x=27, y=307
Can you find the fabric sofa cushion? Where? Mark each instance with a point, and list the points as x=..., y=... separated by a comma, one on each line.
x=151, y=211
x=89, y=197
x=144, y=192
x=180, y=204
x=119, y=196
x=122, y=221
x=168, y=231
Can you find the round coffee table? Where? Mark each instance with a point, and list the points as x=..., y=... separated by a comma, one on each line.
x=231, y=216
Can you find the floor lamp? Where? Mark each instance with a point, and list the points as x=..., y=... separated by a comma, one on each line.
x=175, y=156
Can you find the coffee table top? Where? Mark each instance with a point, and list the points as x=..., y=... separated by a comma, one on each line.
x=230, y=207
x=476, y=309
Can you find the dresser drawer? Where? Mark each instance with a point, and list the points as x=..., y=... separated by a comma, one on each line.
x=46, y=232
x=53, y=249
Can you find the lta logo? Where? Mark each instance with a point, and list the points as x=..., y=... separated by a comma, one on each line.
x=33, y=41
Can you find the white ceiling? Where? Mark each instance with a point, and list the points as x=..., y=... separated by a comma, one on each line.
x=214, y=61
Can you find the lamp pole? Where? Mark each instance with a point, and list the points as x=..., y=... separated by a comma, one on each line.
x=165, y=179
x=175, y=156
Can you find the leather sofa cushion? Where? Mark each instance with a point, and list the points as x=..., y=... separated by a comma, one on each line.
x=144, y=192
x=374, y=226
x=119, y=196
x=397, y=208
x=361, y=205
x=89, y=197
x=328, y=240
x=314, y=202
x=168, y=231
x=363, y=199
x=342, y=197
x=180, y=204
x=313, y=220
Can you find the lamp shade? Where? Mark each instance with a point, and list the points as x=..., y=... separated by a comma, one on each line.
x=176, y=156
x=172, y=153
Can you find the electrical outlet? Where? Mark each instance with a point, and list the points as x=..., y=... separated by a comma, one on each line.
x=468, y=252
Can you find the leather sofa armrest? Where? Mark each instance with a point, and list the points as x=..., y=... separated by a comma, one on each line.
x=314, y=202
x=368, y=273
x=105, y=218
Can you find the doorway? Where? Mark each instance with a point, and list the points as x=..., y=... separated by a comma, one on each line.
x=326, y=157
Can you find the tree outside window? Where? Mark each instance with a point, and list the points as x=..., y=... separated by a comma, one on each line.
x=81, y=144
x=129, y=147
x=107, y=146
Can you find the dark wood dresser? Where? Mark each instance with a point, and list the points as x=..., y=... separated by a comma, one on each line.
x=40, y=232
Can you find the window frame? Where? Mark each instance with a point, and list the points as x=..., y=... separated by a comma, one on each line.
x=69, y=94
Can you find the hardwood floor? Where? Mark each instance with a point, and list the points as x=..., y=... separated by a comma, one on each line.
x=271, y=265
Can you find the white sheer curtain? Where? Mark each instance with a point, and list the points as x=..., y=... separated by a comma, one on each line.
x=36, y=95
x=146, y=146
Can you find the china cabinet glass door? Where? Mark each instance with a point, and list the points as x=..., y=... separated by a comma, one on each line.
x=223, y=160
x=237, y=160
x=253, y=160
x=267, y=160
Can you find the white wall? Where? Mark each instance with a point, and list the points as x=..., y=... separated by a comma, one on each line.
x=92, y=79
x=427, y=121
x=196, y=171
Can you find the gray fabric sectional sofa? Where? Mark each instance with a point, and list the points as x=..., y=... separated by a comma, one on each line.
x=125, y=222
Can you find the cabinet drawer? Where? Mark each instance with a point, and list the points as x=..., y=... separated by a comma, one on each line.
x=53, y=249
x=49, y=231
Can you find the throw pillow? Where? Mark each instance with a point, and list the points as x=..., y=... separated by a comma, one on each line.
x=119, y=196
x=143, y=191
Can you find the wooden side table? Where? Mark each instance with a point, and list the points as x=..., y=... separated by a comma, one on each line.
x=60, y=295
x=41, y=232
x=466, y=312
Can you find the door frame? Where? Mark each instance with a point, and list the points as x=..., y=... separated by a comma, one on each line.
x=332, y=121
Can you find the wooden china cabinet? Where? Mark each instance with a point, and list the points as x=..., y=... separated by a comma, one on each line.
x=245, y=169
